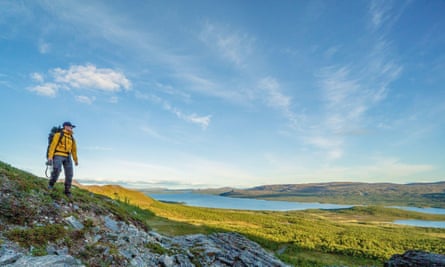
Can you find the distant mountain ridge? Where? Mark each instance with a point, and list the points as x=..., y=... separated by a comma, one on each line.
x=343, y=186
x=413, y=194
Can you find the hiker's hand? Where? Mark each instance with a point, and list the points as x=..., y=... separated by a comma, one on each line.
x=77, y=163
x=49, y=162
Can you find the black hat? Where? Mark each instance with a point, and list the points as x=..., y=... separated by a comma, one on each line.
x=67, y=123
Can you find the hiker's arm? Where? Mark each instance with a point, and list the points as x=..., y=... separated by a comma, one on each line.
x=52, y=147
x=74, y=153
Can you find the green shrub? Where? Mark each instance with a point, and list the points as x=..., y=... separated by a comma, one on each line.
x=39, y=251
x=37, y=236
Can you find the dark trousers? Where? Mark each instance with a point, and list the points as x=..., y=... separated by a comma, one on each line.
x=67, y=163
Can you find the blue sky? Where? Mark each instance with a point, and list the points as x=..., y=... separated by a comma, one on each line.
x=200, y=94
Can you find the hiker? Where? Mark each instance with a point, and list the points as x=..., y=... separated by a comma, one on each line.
x=59, y=153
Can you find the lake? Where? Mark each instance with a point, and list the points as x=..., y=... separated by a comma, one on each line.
x=214, y=201
x=421, y=223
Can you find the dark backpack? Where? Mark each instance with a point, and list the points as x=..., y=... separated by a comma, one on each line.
x=54, y=130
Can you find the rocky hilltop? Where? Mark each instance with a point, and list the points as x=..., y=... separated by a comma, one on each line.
x=45, y=228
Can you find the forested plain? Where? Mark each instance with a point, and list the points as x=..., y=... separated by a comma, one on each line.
x=358, y=236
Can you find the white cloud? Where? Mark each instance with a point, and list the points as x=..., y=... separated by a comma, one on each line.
x=81, y=77
x=46, y=89
x=90, y=77
x=85, y=99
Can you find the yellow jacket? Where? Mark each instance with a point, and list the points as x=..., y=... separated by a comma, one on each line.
x=65, y=147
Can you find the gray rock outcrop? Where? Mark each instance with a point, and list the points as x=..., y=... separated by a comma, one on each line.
x=123, y=244
x=415, y=258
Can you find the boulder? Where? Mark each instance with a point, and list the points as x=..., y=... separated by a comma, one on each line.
x=416, y=258
x=49, y=260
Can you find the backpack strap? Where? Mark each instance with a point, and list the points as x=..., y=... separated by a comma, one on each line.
x=60, y=139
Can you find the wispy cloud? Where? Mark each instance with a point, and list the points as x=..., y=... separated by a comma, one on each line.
x=203, y=121
x=379, y=12
x=351, y=90
x=344, y=99
x=85, y=99
x=384, y=14
x=232, y=46
x=272, y=95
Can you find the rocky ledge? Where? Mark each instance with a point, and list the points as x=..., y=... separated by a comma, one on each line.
x=122, y=244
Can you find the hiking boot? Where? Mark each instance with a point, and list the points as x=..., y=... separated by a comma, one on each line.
x=68, y=194
x=50, y=187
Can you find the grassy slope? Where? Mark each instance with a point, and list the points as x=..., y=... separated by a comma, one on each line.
x=34, y=217
x=352, y=237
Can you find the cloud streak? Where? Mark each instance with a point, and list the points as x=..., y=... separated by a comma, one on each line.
x=203, y=121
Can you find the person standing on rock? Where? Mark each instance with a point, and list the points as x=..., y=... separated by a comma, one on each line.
x=61, y=150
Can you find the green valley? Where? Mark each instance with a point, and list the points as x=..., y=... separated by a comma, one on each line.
x=360, y=236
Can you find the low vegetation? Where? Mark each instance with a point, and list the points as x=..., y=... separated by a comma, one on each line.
x=360, y=236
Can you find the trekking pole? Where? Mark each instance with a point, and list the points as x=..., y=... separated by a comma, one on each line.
x=49, y=165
